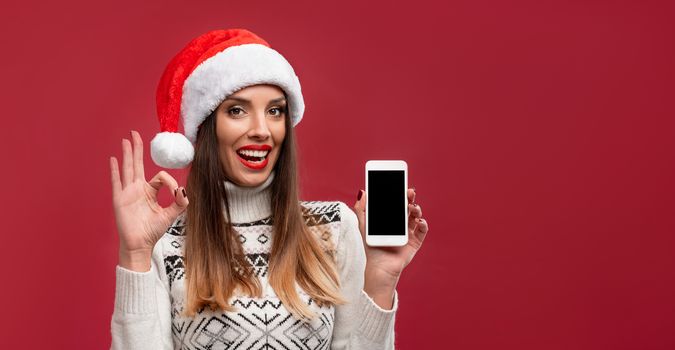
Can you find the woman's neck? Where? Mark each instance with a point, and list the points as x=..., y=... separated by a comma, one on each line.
x=248, y=204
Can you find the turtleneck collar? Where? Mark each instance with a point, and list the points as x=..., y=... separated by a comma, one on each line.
x=249, y=204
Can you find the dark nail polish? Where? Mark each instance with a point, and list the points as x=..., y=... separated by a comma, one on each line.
x=358, y=197
x=184, y=194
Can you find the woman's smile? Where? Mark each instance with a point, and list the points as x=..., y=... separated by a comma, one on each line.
x=254, y=156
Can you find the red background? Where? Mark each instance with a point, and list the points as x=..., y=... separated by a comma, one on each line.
x=539, y=135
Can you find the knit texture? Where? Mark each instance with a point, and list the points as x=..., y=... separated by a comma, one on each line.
x=148, y=304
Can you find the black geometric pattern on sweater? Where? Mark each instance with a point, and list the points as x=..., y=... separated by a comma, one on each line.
x=180, y=328
x=175, y=269
x=253, y=302
x=177, y=228
x=320, y=213
x=263, y=238
x=176, y=244
x=322, y=219
x=314, y=213
x=302, y=335
x=220, y=332
x=319, y=207
x=262, y=222
x=305, y=336
x=260, y=329
x=259, y=262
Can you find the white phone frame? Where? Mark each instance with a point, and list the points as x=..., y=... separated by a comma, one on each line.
x=384, y=240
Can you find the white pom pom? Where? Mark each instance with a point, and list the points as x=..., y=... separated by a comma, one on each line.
x=171, y=150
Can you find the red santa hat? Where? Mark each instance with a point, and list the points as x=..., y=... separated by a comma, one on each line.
x=207, y=70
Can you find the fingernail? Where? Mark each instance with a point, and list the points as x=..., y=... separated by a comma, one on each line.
x=358, y=197
x=184, y=194
x=175, y=191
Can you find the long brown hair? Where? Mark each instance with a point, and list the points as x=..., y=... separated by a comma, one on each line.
x=214, y=260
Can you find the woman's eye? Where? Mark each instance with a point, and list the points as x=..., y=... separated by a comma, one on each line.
x=231, y=111
x=279, y=111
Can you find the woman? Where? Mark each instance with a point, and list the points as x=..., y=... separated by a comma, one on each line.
x=237, y=260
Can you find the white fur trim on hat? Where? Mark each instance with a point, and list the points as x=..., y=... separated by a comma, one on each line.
x=171, y=150
x=233, y=69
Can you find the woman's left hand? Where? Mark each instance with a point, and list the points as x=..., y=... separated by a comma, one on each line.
x=384, y=265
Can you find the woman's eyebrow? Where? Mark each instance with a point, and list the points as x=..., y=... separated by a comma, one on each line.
x=248, y=101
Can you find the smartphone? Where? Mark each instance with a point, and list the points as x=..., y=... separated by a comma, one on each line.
x=386, y=203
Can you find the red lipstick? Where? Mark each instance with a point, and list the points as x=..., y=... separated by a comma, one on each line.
x=257, y=147
x=255, y=165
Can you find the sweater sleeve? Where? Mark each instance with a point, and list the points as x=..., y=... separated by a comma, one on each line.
x=361, y=323
x=142, y=313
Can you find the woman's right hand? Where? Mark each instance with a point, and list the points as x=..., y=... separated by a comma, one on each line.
x=141, y=221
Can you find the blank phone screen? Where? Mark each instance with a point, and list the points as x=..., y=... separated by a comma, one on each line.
x=387, y=202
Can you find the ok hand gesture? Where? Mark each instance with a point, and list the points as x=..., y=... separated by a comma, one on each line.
x=141, y=221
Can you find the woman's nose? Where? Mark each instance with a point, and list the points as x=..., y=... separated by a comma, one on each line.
x=259, y=128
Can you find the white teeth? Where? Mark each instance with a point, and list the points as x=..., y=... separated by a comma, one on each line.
x=252, y=153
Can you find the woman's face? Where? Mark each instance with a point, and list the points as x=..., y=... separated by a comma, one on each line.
x=250, y=129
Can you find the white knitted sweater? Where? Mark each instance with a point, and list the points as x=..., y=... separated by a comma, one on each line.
x=148, y=304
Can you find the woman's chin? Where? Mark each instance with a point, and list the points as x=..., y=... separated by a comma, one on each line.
x=252, y=178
